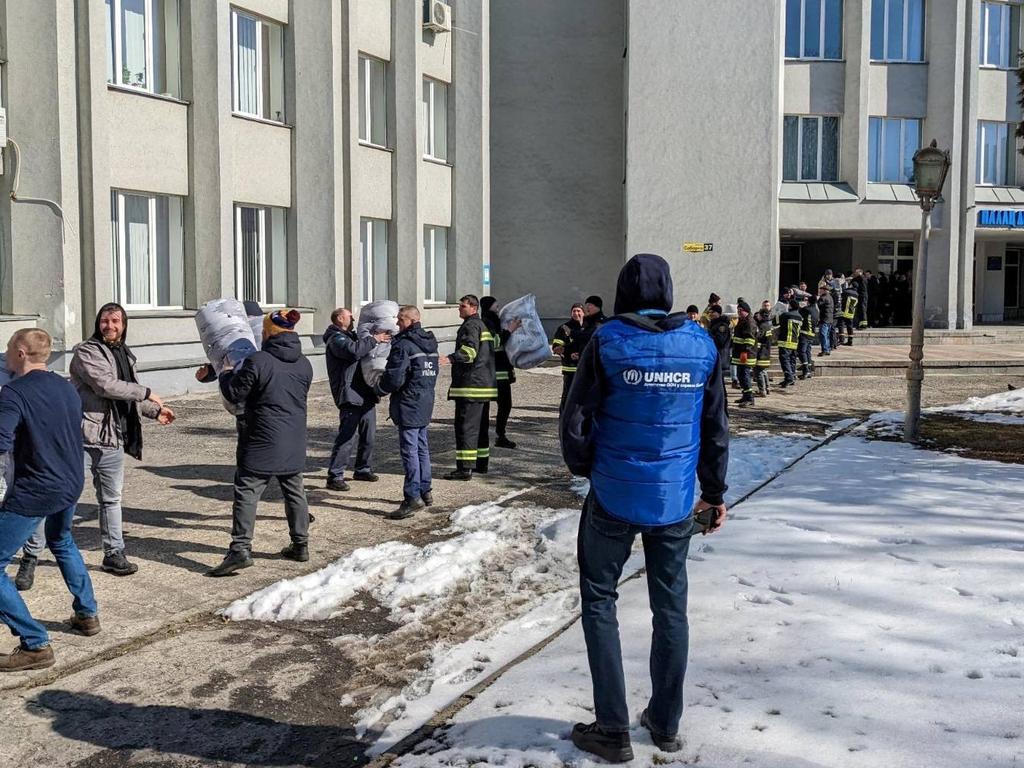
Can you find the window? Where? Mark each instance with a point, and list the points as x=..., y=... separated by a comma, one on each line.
x=897, y=30
x=373, y=244
x=810, y=148
x=997, y=144
x=435, y=260
x=143, y=45
x=814, y=29
x=1011, y=279
x=261, y=254
x=435, y=119
x=257, y=67
x=998, y=34
x=148, y=241
x=373, y=102
x=790, y=261
x=892, y=142
x=895, y=257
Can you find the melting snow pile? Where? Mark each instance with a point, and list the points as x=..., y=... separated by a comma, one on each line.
x=1000, y=408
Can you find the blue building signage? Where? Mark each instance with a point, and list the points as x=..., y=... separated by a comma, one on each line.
x=997, y=218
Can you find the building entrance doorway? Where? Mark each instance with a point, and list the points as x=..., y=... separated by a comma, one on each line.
x=1013, y=285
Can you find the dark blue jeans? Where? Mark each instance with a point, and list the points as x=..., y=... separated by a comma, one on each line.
x=825, y=337
x=803, y=351
x=15, y=530
x=356, y=424
x=603, y=546
x=415, y=450
x=787, y=361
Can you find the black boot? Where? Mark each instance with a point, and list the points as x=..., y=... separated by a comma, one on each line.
x=26, y=573
x=407, y=508
x=662, y=741
x=504, y=442
x=481, y=466
x=612, y=746
x=462, y=471
x=297, y=552
x=849, y=342
x=747, y=399
x=236, y=560
x=428, y=498
x=117, y=564
x=803, y=371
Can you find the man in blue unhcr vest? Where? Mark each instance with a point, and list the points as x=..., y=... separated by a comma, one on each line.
x=646, y=413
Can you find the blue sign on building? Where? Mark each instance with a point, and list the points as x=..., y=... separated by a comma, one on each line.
x=1004, y=219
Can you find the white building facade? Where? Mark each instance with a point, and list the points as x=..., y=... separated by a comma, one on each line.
x=308, y=153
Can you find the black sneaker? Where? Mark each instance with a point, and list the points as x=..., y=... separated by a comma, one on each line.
x=366, y=477
x=236, y=560
x=504, y=442
x=662, y=741
x=26, y=576
x=117, y=564
x=459, y=474
x=608, y=745
x=337, y=484
x=407, y=508
x=297, y=552
x=428, y=499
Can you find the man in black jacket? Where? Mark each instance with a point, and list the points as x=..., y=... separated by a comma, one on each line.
x=474, y=386
x=826, y=319
x=356, y=400
x=273, y=384
x=561, y=344
x=720, y=330
x=504, y=372
x=410, y=378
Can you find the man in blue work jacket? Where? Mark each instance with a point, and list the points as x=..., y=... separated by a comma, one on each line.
x=645, y=415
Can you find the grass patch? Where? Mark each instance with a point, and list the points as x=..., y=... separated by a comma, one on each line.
x=973, y=439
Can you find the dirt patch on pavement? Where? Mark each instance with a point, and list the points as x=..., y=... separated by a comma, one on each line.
x=974, y=439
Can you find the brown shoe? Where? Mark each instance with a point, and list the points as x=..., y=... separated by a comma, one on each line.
x=85, y=625
x=22, y=659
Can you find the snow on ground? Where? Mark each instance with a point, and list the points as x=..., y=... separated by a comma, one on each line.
x=511, y=566
x=865, y=609
x=1000, y=408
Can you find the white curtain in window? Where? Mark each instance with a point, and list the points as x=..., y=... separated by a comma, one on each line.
x=246, y=68
x=133, y=43
x=380, y=259
x=137, y=256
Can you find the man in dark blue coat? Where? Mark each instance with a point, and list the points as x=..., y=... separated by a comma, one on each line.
x=646, y=413
x=356, y=400
x=273, y=385
x=410, y=378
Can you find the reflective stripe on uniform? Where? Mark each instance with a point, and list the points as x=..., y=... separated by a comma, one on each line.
x=568, y=369
x=501, y=376
x=483, y=453
x=467, y=455
x=750, y=362
x=474, y=393
x=486, y=336
x=557, y=343
x=470, y=352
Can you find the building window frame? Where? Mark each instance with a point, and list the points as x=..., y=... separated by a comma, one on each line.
x=435, y=281
x=1009, y=21
x=827, y=10
x=121, y=250
x=373, y=130
x=168, y=28
x=373, y=256
x=876, y=156
x=907, y=54
x=265, y=101
x=1012, y=262
x=266, y=261
x=819, y=175
x=435, y=142
x=1006, y=152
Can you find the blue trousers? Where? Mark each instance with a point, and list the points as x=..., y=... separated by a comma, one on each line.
x=803, y=351
x=357, y=428
x=825, y=337
x=787, y=359
x=415, y=450
x=15, y=530
x=603, y=546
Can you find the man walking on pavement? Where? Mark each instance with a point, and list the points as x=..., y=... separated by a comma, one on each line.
x=41, y=435
x=103, y=371
x=410, y=378
x=273, y=384
x=474, y=386
x=640, y=437
x=356, y=400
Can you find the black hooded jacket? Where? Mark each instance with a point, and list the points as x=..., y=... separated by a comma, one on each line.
x=344, y=351
x=502, y=365
x=645, y=285
x=410, y=377
x=273, y=384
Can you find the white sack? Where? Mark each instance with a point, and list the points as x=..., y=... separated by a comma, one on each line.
x=226, y=333
x=377, y=317
x=527, y=347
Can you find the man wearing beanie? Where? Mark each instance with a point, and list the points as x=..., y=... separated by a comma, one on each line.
x=561, y=344
x=273, y=385
x=714, y=300
x=744, y=352
x=593, y=317
x=645, y=418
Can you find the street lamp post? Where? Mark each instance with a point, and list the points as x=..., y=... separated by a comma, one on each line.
x=931, y=165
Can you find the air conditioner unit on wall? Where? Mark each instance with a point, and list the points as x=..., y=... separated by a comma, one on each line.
x=437, y=16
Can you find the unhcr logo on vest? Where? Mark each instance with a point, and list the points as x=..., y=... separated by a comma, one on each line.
x=674, y=379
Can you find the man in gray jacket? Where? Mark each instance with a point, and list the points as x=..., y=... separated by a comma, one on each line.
x=103, y=371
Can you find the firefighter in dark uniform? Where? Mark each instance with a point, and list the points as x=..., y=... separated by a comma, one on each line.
x=860, y=283
x=504, y=372
x=848, y=302
x=808, y=328
x=788, y=342
x=593, y=318
x=561, y=347
x=474, y=386
x=744, y=352
x=765, y=337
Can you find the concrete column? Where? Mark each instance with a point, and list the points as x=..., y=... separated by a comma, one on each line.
x=44, y=276
x=405, y=235
x=854, y=130
x=965, y=179
x=316, y=221
x=470, y=153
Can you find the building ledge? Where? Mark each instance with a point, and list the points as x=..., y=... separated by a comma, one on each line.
x=999, y=195
x=891, y=193
x=824, y=192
